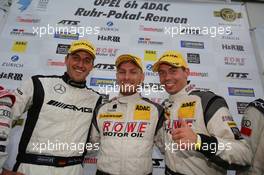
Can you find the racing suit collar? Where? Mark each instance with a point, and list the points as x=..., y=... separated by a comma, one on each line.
x=181, y=93
x=126, y=99
x=66, y=78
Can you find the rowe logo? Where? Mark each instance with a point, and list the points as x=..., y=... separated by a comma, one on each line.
x=68, y=106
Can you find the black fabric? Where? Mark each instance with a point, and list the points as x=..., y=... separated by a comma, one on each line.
x=206, y=143
x=98, y=172
x=258, y=104
x=66, y=78
x=32, y=118
x=55, y=161
x=210, y=103
x=170, y=172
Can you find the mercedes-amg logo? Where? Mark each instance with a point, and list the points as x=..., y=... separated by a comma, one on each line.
x=59, y=89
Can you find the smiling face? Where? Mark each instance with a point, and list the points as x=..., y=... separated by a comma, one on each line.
x=79, y=64
x=173, y=78
x=129, y=77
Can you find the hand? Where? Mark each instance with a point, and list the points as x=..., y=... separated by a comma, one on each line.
x=184, y=136
x=7, y=172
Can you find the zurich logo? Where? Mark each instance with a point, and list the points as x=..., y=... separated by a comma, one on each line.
x=24, y=4
x=59, y=89
x=149, y=67
x=109, y=23
x=15, y=58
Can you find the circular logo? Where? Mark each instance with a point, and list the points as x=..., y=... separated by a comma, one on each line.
x=149, y=67
x=228, y=14
x=15, y=58
x=59, y=89
x=246, y=123
x=109, y=23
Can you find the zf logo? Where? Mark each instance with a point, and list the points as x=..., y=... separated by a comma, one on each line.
x=238, y=75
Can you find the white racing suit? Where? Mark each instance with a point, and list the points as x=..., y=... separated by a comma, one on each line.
x=220, y=139
x=127, y=127
x=6, y=102
x=58, y=121
x=253, y=130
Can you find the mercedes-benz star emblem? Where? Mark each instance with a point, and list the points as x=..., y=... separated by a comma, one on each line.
x=59, y=89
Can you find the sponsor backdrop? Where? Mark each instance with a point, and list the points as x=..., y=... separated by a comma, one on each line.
x=214, y=39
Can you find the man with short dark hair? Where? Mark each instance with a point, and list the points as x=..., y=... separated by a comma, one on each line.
x=201, y=136
x=59, y=115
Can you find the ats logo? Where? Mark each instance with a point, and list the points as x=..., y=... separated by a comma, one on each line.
x=107, y=67
x=238, y=75
x=69, y=22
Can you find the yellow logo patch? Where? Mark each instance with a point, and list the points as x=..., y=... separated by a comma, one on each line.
x=114, y=115
x=232, y=124
x=187, y=110
x=142, y=112
x=19, y=46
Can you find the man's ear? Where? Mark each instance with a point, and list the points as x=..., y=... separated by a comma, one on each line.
x=187, y=71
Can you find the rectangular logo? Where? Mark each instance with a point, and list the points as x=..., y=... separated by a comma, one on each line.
x=192, y=44
x=247, y=92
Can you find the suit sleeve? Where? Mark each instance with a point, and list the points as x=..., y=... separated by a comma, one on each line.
x=5, y=124
x=24, y=99
x=226, y=146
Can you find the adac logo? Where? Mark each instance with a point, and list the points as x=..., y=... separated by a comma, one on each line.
x=188, y=104
x=24, y=4
x=142, y=108
x=227, y=14
x=142, y=112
